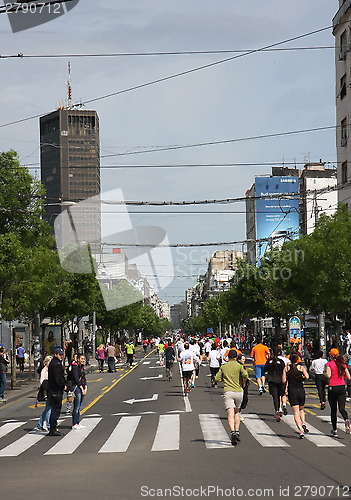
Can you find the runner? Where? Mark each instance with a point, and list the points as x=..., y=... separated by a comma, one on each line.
x=234, y=376
x=161, y=352
x=260, y=353
x=187, y=359
x=276, y=376
x=214, y=359
x=241, y=359
x=336, y=373
x=194, y=346
x=318, y=367
x=295, y=375
x=170, y=356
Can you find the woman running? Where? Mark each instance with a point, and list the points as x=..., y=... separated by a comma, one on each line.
x=276, y=376
x=336, y=373
x=295, y=375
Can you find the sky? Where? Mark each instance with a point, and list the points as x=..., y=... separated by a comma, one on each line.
x=260, y=93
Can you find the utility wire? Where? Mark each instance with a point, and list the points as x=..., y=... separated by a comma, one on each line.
x=169, y=53
x=182, y=73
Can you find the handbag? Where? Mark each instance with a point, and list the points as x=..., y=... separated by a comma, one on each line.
x=43, y=391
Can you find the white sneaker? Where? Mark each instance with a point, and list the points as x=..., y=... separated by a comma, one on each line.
x=45, y=427
x=78, y=426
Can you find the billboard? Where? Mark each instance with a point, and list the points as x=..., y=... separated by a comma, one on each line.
x=277, y=218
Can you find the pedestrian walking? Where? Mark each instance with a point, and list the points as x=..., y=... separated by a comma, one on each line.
x=295, y=376
x=110, y=349
x=56, y=386
x=321, y=381
x=44, y=419
x=3, y=370
x=20, y=353
x=79, y=388
x=276, y=377
x=260, y=353
x=100, y=357
x=234, y=376
x=336, y=372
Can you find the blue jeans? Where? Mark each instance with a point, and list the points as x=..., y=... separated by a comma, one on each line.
x=78, y=400
x=45, y=416
x=2, y=384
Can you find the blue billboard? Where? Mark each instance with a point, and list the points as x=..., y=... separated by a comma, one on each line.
x=277, y=218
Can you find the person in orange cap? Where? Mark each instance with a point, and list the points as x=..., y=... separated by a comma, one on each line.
x=336, y=372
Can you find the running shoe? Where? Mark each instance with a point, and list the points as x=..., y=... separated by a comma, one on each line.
x=301, y=435
x=348, y=399
x=78, y=426
x=347, y=426
x=305, y=429
x=322, y=406
x=264, y=388
x=234, y=438
x=260, y=391
x=334, y=433
x=237, y=435
x=277, y=416
x=285, y=410
x=45, y=427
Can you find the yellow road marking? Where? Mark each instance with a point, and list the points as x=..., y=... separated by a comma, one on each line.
x=111, y=387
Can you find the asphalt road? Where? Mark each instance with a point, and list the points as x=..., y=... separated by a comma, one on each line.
x=143, y=439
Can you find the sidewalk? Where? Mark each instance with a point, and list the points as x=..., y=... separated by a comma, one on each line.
x=25, y=386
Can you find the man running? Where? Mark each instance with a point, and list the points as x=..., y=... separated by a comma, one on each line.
x=187, y=359
x=260, y=353
x=170, y=356
x=234, y=376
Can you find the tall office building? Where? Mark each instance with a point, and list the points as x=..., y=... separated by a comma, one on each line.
x=70, y=169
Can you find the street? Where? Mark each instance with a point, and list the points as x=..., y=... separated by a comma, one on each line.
x=143, y=438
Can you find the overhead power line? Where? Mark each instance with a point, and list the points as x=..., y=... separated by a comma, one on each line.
x=166, y=53
x=182, y=73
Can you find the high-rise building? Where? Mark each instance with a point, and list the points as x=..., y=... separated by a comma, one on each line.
x=70, y=167
x=342, y=33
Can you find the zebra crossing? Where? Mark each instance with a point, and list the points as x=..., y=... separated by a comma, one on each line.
x=168, y=434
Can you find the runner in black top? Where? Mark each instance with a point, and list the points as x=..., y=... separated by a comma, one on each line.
x=276, y=376
x=295, y=375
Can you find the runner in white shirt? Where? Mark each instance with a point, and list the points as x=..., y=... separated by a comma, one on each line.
x=214, y=359
x=187, y=359
x=194, y=346
x=318, y=367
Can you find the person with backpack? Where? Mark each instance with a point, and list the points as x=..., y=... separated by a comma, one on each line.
x=336, y=372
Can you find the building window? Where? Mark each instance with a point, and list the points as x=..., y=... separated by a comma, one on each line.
x=343, y=46
x=343, y=132
x=342, y=93
x=344, y=176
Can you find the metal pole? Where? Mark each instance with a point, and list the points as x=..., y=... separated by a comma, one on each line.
x=13, y=356
x=94, y=332
x=321, y=327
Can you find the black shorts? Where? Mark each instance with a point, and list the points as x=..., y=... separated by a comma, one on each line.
x=296, y=396
x=187, y=374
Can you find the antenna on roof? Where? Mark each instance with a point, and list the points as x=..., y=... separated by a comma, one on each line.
x=69, y=88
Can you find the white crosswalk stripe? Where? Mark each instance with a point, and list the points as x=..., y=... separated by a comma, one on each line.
x=340, y=422
x=262, y=432
x=315, y=436
x=8, y=427
x=167, y=435
x=121, y=436
x=70, y=442
x=215, y=435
